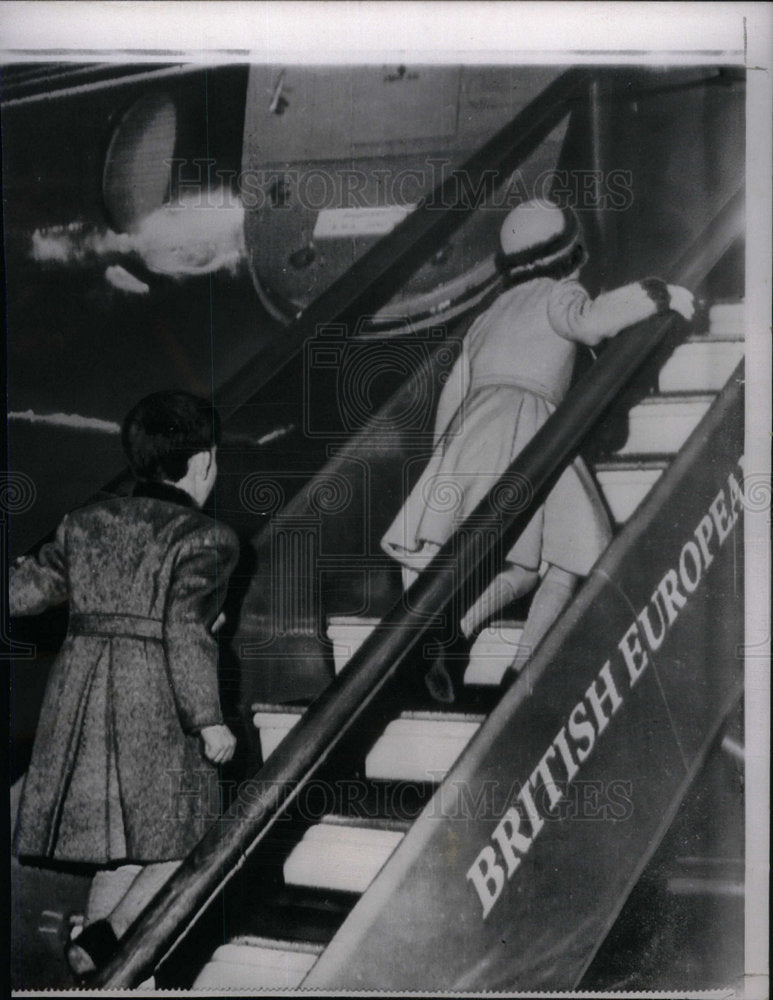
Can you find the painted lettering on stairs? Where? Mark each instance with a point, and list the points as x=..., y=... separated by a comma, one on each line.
x=519, y=827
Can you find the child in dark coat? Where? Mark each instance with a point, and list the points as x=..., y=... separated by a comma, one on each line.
x=123, y=772
x=515, y=368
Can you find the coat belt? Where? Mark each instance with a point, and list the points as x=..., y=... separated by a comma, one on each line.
x=116, y=626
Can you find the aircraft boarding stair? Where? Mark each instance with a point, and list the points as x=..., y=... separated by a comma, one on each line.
x=344, y=854
x=376, y=815
x=330, y=897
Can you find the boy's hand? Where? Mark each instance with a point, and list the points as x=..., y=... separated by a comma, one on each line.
x=682, y=301
x=218, y=623
x=219, y=743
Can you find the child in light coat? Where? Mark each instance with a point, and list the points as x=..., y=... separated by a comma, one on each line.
x=514, y=369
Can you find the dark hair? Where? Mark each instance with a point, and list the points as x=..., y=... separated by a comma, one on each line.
x=164, y=430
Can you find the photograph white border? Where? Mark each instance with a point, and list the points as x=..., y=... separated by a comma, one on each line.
x=496, y=32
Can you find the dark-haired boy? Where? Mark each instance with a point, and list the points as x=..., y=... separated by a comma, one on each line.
x=123, y=771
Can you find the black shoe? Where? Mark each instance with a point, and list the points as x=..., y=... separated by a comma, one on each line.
x=92, y=948
x=446, y=674
x=439, y=684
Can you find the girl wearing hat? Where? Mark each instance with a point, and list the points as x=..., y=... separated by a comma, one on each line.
x=514, y=369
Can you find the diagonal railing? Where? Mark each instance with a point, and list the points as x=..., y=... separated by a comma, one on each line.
x=227, y=844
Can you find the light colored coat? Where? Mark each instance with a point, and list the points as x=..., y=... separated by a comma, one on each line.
x=515, y=367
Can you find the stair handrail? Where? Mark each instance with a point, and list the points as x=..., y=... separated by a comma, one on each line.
x=231, y=839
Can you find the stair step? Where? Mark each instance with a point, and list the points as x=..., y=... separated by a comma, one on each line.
x=706, y=887
x=347, y=633
x=700, y=366
x=340, y=856
x=273, y=723
x=493, y=652
x=727, y=319
x=626, y=484
x=420, y=746
x=251, y=963
x=660, y=425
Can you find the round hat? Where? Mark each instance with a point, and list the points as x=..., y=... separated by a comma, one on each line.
x=539, y=236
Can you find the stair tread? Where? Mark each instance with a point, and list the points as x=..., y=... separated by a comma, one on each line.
x=724, y=315
x=217, y=975
x=428, y=729
x=269, y=708
x=680, y=397
x=663, y=458
x=245, y=964
x=425, y=715
x=627, y=463
x=409, y=715
x=719, y=337
x=381, y=823
x=352, y=620
x=356, y=620
x=361, y=832
x=710, y=339
x=699, y=366
x=255, y=942
x=340, y=855
x=420, y=749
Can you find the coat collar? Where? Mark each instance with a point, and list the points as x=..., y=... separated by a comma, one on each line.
x=163, y=491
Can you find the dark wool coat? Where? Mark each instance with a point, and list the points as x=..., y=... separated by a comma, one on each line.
x=117, y=770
